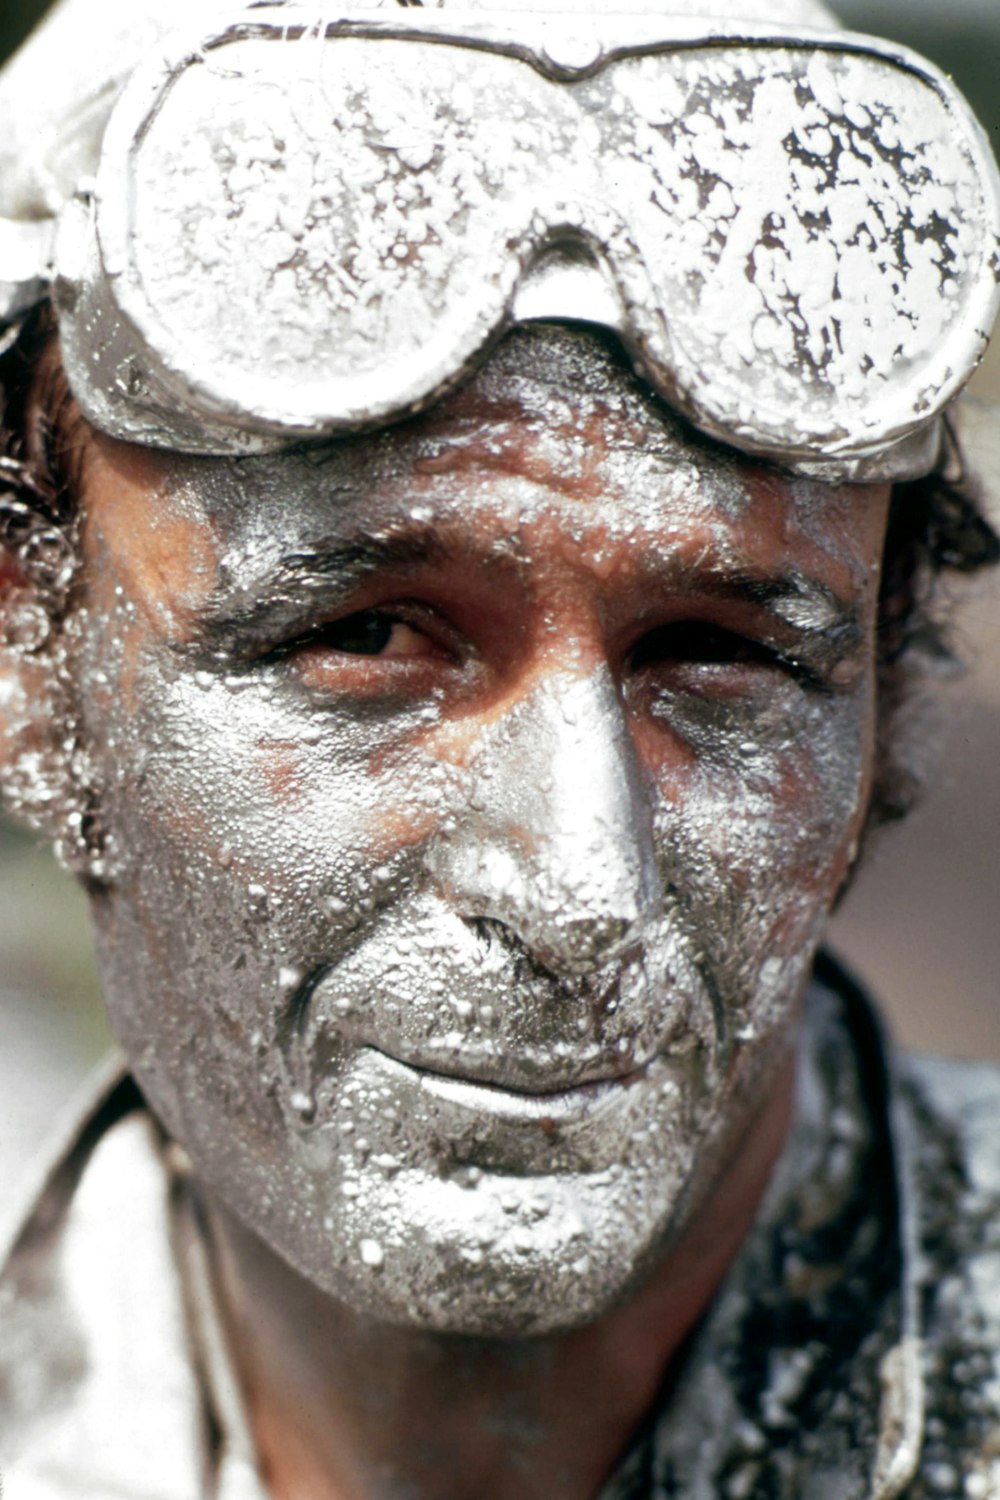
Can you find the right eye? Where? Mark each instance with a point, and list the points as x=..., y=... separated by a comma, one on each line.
x=373, y=633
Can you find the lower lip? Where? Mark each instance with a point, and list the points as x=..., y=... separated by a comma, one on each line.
x=561, y=1108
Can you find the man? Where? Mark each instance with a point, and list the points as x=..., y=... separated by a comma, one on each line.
x=461, y=665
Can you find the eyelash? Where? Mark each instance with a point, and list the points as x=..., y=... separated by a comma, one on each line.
x=699, y=641
x=336, y=634
x=691, y=643
x=703, y=643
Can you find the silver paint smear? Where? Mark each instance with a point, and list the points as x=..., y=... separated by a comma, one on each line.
x=355, y=939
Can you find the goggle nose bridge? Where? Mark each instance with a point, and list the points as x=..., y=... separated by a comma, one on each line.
x=582, y=264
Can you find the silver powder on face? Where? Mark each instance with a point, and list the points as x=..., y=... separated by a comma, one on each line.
x=459, y=1000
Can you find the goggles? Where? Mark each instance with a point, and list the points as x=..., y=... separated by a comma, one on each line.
x=304, y=228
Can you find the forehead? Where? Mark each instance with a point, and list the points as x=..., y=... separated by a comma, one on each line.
x=554, y=407
x=552, y=448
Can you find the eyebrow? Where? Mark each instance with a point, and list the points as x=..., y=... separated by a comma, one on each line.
x=253, y=603
x=257, y=605
x=805, y=602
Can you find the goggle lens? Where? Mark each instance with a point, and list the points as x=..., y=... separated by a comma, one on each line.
x=319, y=235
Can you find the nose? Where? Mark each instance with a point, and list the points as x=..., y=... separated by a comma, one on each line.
x=556, y=841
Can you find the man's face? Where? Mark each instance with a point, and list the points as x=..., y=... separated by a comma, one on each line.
x=476, y=793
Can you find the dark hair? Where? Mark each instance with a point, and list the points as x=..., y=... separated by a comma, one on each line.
x=42, y=443
x=937, y=527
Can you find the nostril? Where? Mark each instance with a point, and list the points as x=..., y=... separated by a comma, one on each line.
x=583, y=944
x=565, y=947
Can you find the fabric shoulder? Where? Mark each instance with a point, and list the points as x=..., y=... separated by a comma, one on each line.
x=951, y=1113
x=115, y=1374
x=95, y=1371
x=963, y=1099
x=106, y=1095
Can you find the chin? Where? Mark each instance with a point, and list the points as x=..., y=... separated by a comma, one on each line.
x=491, y=1255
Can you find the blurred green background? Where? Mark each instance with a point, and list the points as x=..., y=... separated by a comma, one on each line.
x=923, y=922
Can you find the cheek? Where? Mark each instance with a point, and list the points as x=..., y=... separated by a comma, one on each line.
x=758, y=821
x=259, y=842
x=238, y=811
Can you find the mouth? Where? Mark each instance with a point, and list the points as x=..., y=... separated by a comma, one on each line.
x=548, y=1108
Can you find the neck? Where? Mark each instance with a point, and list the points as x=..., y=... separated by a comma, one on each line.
x=344, y=1407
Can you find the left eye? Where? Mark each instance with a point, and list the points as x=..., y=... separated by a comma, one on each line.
x=699, y=642
x=373, y=634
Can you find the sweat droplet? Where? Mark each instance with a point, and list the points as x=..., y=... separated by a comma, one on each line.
x=372, y=1253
